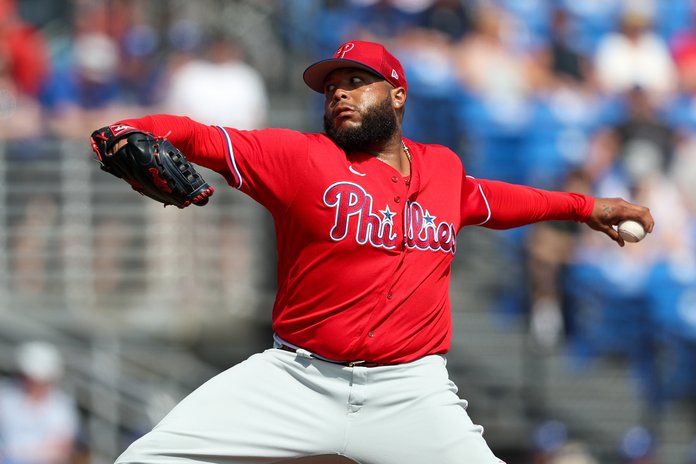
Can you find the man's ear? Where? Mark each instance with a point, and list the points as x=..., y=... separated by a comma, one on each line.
x=398, y=97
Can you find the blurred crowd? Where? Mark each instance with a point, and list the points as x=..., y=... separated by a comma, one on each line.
x=110, y=60
x=596, y=96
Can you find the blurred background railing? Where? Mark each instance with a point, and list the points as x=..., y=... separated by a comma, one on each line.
x=566, y=346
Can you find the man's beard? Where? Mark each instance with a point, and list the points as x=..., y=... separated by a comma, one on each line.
x=378, y=125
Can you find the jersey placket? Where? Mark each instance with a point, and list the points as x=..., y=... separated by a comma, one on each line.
x=397, y=201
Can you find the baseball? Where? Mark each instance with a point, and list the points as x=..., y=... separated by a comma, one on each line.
x=631, y=231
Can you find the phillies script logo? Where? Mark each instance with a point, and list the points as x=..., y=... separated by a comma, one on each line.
x=353, y=205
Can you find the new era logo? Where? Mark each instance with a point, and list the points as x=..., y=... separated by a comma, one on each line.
x=394, y=74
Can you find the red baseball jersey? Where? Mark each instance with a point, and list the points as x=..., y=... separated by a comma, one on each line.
x=363, y=253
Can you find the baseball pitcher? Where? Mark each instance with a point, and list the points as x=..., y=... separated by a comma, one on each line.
x=366, y=223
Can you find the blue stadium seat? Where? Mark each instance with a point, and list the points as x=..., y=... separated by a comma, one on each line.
x=673, y=17
x=545, y=166
x=432, y=100
x=672, y=297
x=681, y=112
x=533, y=17
x=495, y=137
x=609, y=318
x=592, y=20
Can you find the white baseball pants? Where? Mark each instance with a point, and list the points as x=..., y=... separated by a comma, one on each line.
x=279, y=405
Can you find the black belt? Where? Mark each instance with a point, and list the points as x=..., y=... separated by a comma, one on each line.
x=341, y=363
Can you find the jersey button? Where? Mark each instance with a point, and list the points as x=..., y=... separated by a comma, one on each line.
x=397, y=199
x=389, y=296
x=395, y=179
x=371, y=333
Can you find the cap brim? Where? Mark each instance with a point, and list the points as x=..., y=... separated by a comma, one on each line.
x=315, y=74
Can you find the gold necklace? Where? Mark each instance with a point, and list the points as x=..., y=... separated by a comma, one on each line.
x=408, y=152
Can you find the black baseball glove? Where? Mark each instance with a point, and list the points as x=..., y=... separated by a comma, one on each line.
x=151, y=165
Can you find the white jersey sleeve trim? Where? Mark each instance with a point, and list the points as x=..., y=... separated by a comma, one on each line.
x=485, y=200
x=230, y=154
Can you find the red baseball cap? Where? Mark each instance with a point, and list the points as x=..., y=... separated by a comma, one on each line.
x=369, y=56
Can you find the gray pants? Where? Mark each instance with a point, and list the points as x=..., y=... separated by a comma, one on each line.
x=280, y=405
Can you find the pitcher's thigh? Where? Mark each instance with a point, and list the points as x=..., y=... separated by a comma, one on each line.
x=443, y=434
x=261, y=410
x=413, y=415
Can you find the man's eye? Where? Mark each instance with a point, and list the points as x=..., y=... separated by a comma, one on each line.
x=329, y=88
x=356, y=80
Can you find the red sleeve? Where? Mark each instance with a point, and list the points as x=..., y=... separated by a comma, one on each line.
x=498, y=205
x=267, y=164
x=203, y=145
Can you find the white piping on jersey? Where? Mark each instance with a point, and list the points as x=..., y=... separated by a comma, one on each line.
x=485, y=200
x=230, y=153
x=350, y=168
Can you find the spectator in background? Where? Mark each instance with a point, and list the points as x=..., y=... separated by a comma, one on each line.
x=448, y=17
x=141, y=67
x=85, y=82
x=639, y=145
x=684, y=53
x=549, y=251
x=96, y=58
x=219, y=88
x=635, y=56
x=24, y=66
x=494, y=70
x=23, y=51
x=566, y=62
x=20, y=113
x=38, y=421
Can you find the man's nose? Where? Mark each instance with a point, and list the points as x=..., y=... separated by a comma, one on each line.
x=340, y=94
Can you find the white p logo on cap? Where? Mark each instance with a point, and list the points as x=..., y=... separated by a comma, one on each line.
x=343, y=49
